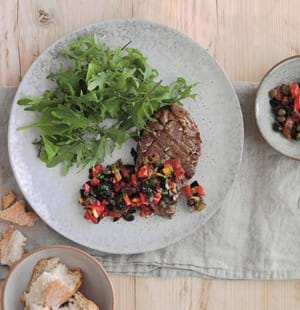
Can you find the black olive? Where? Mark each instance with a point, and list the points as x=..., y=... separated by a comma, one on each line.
x=83, y=194
x=291, y=100
x=277, y=127
x=129, y=167
x=194, y=184
x=275, y=103
x=110, y=207
x=115, y=219
x=94, y=192
x=121, y=207
x=128, y=217
x=132, y=210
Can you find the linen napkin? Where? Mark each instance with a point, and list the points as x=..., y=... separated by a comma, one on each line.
x=255, y=234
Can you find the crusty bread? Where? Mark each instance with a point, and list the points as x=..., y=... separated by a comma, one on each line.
x=79, y=302
x=51, y=285
x=17, y=214
x=8, y=200
x=11, y=246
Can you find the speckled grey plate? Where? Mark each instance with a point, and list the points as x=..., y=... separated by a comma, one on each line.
x=288, y=70
x=216, y=110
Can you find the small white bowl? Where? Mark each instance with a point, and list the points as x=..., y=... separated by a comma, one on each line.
x=284, y=72
x=96, y=283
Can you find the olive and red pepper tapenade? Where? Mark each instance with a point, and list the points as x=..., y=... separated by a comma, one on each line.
x=118, y=191
x=285, y=105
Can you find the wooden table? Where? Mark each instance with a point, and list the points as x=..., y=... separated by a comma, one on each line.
x=245, y=36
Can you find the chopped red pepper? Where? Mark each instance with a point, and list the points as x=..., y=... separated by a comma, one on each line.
x=187, y=191
x=86, y=188
x=144, y=171
x=176, y=165
x=136, y=201
x=287, y=128
x=145, y=211
x=179, y=173
x=156, y=198
x=127, y=199
x=133, y=180
x=90, y=217
x=95, y=182
x=97, y=211
x=125, y=172
x=297, y=103
x=119, y=186
x=294, y=88
x=115, y=214
x=285, y=100
x=143, y=199
x=97, y=203
x=98, y=168
x=200, y=190
x=171, y=185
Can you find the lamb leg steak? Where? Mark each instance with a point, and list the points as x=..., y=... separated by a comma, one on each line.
x=173, y=134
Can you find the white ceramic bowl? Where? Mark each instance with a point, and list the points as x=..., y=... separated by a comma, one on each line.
x=96, y=283
x=284, y=72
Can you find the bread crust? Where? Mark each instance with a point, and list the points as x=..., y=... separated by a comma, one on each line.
x=57, y=292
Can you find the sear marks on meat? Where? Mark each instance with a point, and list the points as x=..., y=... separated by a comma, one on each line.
x=173, y=134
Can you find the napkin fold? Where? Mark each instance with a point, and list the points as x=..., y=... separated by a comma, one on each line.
x=254, y=235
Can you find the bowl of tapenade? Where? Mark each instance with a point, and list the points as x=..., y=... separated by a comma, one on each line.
x=277, y=107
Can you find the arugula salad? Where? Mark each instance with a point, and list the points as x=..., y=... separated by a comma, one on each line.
x=98, y=84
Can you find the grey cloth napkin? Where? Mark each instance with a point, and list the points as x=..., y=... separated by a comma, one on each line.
x=255, y=235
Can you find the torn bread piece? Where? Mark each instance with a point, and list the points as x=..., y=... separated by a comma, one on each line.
x=8, y=200
x=17, y=214
x=11, y=246
x=51, y=285
x=78, y=302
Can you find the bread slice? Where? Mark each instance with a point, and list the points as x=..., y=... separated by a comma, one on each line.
x=8, y=200
x=11, y=246
x=17, y=214
x=51, y=285
x=78, y=302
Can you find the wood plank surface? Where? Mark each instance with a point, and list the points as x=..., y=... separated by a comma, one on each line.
x=245, y=36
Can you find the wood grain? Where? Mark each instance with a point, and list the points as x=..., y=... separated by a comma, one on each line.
x=245, y=36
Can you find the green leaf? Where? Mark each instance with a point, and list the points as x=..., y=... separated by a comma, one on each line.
x=67, y=116
x=97, y=81
x=50, y=148
x=117, y=135
x=112, y=106
x=91, y=71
